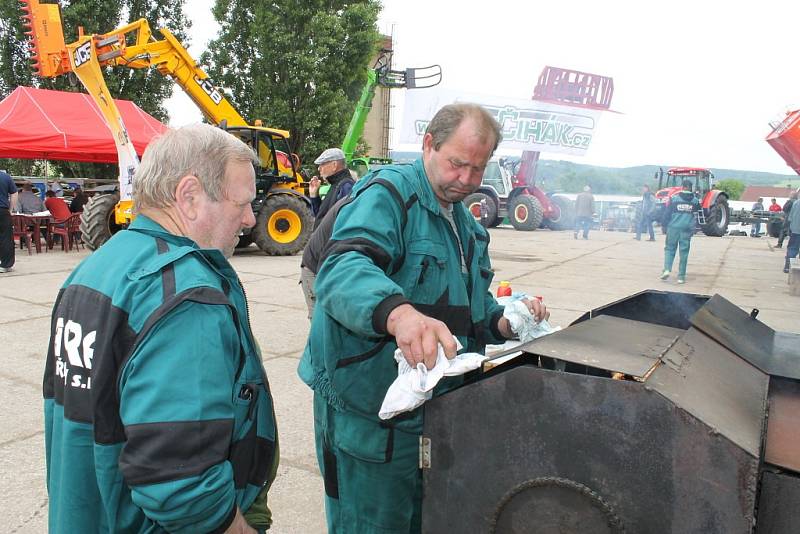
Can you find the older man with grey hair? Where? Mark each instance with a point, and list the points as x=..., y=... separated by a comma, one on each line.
x=333, y=169
x=158, y=416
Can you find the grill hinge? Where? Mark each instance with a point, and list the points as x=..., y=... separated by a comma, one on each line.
x=424, y=452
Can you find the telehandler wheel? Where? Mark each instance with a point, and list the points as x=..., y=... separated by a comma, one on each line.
x=97, y=221
x=717, y=218
x=244, y=240
x=473, y=205
x=525, y=212
x=566, y=215
x=283, y=225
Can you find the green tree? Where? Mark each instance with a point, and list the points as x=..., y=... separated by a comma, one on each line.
x=734, y=188
x=298, y=65
x=147, y=88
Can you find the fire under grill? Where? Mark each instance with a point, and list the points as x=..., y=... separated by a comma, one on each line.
x=660, y=413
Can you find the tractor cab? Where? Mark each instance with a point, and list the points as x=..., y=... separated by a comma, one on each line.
x=714, y=217
x=671, y=183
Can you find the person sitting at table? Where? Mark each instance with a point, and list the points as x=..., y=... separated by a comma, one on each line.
x=29, y=202
x=78, y=201
x=56, y=206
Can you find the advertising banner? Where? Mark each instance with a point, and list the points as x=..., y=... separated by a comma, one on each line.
x=526, y=124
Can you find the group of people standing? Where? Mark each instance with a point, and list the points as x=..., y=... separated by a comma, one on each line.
x=158, y=412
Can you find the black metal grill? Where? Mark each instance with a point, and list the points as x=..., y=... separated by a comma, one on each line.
x=678, y=441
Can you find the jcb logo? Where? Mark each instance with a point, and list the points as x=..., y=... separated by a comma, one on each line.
x=209, y=89
x=83, y=53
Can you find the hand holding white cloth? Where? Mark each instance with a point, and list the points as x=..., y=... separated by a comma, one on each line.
x=522, y=322
x=413, y=386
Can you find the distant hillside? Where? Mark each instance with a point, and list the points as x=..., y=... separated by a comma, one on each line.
x=569, y=177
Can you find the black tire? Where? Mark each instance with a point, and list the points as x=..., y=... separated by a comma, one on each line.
x=566, y=216
x=97, y=221
x=245, y=240
x=473, y=205
x=496, y=222
x=717, y=218
x=283, y=225
x=525, y=212
x=774, y=227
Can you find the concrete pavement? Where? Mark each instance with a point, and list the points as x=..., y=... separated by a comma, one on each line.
x=572, y=276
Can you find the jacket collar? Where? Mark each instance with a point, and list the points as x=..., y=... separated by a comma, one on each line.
x=422, y=184
x=180, y=245
x=337, y=177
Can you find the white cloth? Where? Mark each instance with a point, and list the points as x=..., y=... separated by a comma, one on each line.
x=522, y=322
x=413, y=386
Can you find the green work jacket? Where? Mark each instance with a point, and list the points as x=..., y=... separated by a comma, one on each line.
x=391, y=245
x=158, y=414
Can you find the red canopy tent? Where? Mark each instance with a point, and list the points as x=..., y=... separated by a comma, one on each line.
x=57, y=125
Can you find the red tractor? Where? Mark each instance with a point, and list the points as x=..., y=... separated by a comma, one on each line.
x=714, y=218
x=526, y=206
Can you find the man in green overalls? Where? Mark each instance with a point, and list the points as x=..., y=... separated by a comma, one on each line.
x=680, y=222
x=407, y=266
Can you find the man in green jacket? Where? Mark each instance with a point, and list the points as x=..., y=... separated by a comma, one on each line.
x=407, y=266
x=158, y=414
x=680, y=222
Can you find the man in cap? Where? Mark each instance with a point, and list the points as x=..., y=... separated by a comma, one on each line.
x=333, y=169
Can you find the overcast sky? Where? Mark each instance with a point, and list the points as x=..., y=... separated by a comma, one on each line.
x=695, y=82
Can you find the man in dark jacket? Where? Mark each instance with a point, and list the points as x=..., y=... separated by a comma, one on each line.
x=8, y=203
x=584, y=210
x=787, y=208
x=645, y=219
x=333, y=169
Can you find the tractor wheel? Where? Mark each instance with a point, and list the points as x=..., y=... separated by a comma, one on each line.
x=283, y=225
x=496, y=222
x=717, y=218
x=525, y=212
x=566, y=214
x=245, y=240
x=97, y=221
x=473, y=205
x=775, y=227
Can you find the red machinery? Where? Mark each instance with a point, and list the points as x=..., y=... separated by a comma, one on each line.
x=785, y=139
x=715, y=215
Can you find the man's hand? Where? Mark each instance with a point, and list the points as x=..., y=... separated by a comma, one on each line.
x=419, y=336
x=537, y=309
x=313, y=186
x=239, y=525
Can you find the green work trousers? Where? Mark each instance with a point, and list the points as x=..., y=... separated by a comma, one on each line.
x=677, y=239
x=365, y=496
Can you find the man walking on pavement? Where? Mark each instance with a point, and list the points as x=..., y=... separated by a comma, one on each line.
x=407, y=267
x=755, y=229
x=584, y=210
x=645, y=220
x=793, y=246
x=8, y=203
x=787, y=208
x=158, y=414
x=680, y=222
x=332, y=168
